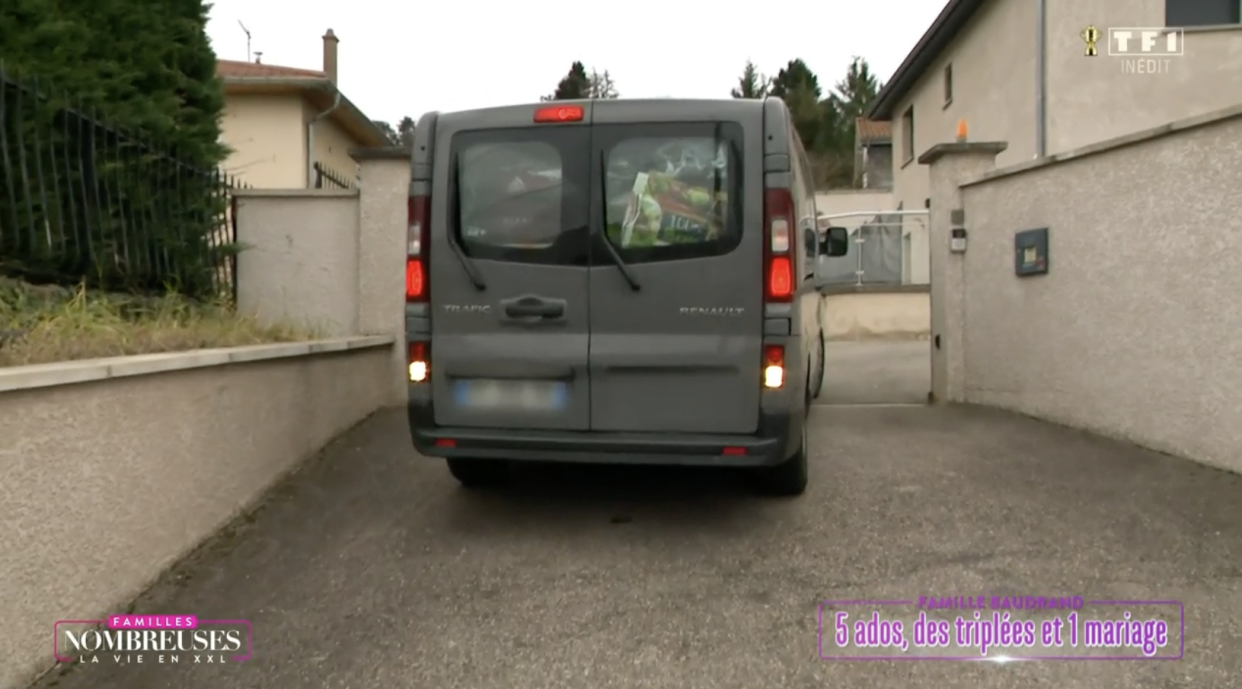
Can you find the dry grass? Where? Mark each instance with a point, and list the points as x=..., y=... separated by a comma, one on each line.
x=46, y=324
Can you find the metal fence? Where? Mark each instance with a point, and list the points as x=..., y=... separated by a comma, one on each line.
x=83, y=201
x=326, y=178
x=888, y=248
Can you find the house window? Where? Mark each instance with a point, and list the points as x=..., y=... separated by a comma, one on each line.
x=948, y=84
x=1201, y=12
x=907, y=135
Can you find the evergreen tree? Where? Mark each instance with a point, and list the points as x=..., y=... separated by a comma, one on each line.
x=752, y=84
x=576, y=84
x=401, y=135
x=33, y=34
x=389, y=133
x=798, y=86
x=851, y=98
x=405, y=132
x=794, y=76
x=147, y=73
x=199, y=92
x=825, y=124
x=833, y=157
x=147, y=68
x=857, y=89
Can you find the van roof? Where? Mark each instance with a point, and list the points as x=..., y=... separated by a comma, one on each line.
x=726, y=107
x=770, y=110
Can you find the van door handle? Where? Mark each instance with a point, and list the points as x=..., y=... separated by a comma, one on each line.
x=534, y=307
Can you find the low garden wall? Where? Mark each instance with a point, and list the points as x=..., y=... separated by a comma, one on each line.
x=116, y=468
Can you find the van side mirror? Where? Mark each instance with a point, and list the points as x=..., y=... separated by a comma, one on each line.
x=836, y=242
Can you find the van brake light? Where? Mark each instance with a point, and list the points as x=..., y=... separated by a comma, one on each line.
x=780, y=278
x=417, y=236
x=559, y=113
x=778, y=224
x=415, y=280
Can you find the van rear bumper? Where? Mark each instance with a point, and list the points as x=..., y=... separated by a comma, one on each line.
x=776, y=441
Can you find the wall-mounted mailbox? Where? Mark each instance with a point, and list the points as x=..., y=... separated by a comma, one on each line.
x=1030, y=248
x=957, y=240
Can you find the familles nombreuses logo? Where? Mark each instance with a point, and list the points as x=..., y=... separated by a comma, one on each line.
x=153, y=639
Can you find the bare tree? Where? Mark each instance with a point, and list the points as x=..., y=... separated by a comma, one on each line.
x=601, y=85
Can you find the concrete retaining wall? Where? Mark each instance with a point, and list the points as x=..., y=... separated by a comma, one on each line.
x=116, y=468
x=900, y=314
x=1133, y=331
x=838, y=201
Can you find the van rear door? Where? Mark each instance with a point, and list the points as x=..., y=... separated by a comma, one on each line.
x=508, y=277
x=676, y=337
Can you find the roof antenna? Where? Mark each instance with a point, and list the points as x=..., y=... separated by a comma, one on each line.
x=247, y=32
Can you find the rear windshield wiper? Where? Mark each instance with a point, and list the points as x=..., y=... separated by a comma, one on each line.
x=467, y=264
x=612, y=250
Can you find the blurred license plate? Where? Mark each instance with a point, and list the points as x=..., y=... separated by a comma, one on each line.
x=536, y=395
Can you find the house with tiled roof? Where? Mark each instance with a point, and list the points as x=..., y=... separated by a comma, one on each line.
x=292, y=128
x=873, y=154
x=1025, y=73
x=873, y=178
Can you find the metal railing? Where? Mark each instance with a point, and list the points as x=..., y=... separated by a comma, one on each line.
x=326, y=178
x=889, y=248
x=85, y=201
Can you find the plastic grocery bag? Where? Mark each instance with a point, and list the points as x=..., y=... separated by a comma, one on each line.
x=662, y=211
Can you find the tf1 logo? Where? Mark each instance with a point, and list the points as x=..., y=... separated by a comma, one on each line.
x=1136, y=41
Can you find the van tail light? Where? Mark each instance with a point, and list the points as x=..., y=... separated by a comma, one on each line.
x=419, y=360
x=418, y=236
x=778, y=227
x=773, y=366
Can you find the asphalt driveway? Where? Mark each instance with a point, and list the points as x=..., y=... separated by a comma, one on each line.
x=877, y=372
x=372, y=568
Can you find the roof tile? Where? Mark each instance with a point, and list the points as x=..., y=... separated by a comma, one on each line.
x=870, y=130
x=234, y=68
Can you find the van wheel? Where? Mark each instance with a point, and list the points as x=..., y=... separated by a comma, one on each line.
x=478, y=473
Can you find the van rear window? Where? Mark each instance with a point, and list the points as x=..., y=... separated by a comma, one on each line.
x=511, y=195
x=672, y=197
x=517, y=197
x=669, y=191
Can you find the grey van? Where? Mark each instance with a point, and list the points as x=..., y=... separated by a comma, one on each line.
x=614, y=281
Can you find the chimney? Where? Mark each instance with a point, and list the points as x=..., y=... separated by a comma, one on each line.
x=329, y=55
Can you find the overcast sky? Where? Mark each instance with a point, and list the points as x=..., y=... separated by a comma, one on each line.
x=406, y=58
